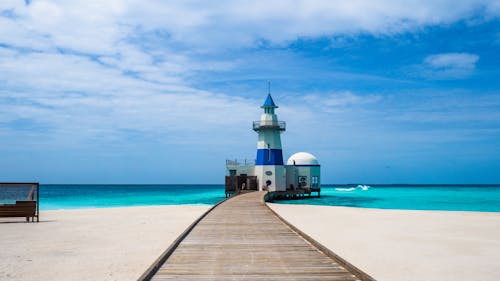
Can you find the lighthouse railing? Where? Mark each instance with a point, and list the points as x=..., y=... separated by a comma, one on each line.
x=240, y=162
x=269, y=124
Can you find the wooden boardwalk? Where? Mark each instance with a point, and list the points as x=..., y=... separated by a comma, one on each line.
x=242, y=239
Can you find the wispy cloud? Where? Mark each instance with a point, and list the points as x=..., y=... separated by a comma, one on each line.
x=96, y=26
x=338, y=101
x=450, y=65
x=118, y=73
x=452, y=60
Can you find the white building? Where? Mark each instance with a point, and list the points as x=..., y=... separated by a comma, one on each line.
x=303, y=171
x=268, y=171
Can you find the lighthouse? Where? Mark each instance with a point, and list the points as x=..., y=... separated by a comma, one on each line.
x=269, y=167
x=298, y=177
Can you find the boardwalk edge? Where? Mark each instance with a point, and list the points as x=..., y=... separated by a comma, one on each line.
x=350, y=267
x=153, y=268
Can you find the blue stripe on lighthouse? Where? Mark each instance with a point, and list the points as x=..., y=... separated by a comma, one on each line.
x=269, y=157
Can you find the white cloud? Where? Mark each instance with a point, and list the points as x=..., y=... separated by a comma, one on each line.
x=95, y=26
x=104, y=70
x=73, y=95
x=450, y=65
x=452, y=60
x=101, y=48
x=338, y=101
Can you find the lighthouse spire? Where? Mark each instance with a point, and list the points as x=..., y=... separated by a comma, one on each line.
x=269, y=104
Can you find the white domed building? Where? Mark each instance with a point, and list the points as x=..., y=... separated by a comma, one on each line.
x=300, y=175
x=303, y=171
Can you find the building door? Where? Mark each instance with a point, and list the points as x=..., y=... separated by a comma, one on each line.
x=242, y=182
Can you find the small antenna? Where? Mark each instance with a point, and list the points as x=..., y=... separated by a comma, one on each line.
x=269, y=87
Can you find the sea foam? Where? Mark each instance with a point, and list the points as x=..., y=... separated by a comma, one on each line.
x=359, y=187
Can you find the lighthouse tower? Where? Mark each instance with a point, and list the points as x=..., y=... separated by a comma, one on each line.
x=269, y=167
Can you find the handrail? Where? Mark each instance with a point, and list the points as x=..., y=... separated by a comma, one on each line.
x=269, y=124
x=240, y=162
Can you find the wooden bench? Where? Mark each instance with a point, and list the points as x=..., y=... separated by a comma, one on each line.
x=24, y=208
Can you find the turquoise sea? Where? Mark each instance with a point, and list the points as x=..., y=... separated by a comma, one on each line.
x=414, y=197
x=101, y=196
x=483, y=198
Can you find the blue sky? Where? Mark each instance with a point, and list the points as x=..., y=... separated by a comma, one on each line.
x=164, y=91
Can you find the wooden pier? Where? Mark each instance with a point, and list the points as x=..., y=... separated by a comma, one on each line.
x=243, y=239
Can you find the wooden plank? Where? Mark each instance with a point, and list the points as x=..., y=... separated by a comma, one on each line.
x=242, y=239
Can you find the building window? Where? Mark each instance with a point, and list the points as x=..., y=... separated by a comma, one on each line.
x=302, y=181
x=314, y=182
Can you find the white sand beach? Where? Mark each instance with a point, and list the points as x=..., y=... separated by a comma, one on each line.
x=120, y=243
x=406, y=245
x=90, y=244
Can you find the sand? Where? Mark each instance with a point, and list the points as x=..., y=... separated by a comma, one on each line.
x=90, y=244
x=406, y=245
x=120, y=243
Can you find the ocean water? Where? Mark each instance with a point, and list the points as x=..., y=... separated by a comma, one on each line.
x=53, y=197
x=422, y=197
x=482, y=198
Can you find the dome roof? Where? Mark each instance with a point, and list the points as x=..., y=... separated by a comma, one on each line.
x=302, y=158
